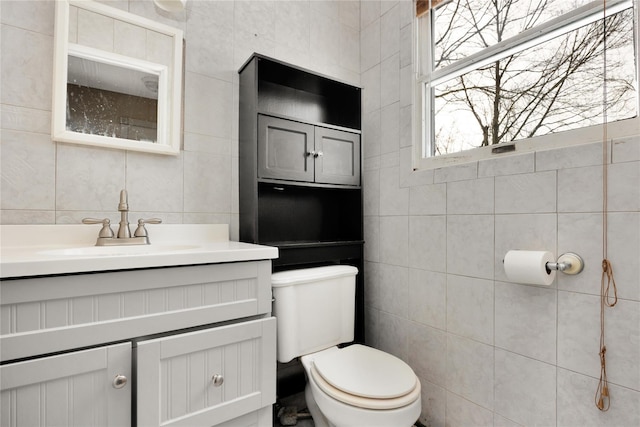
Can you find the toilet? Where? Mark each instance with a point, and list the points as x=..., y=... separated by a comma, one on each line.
x=351, y=386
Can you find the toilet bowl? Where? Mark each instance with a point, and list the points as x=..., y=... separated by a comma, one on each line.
x=360, y=386
x=353, y=386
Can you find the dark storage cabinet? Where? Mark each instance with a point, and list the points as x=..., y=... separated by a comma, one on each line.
x=300, y=157
x=294, y=151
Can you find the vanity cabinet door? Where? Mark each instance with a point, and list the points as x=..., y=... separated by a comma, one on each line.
x=285, y=149
x=207, y=377
x=338, y=160
x=72, y=389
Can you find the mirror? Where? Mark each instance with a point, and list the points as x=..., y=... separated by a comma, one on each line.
x=117, y=79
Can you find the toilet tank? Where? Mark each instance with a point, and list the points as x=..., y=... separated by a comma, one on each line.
x=314, y=308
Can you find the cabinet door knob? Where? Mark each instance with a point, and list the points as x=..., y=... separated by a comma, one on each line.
x=318, y=154
x=217, y=380
x=311, y=153
x=119, y=381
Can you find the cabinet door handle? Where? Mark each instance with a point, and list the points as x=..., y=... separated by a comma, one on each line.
x=217, y=380
x=318, y=154
x=119, y=381
x=311, y=153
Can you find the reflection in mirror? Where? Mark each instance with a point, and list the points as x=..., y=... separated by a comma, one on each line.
x=111, y=101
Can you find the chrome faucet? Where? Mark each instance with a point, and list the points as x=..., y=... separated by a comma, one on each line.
x=106, y=237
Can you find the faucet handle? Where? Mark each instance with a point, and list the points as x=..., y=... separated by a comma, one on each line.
x=105, y=231
x=141, y=231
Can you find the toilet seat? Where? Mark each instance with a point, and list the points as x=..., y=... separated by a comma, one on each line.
x=365, y=377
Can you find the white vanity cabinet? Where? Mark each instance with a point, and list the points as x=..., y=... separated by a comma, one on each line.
x=81, y=388
x=139, y=347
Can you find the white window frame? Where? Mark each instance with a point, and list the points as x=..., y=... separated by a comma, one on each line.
x=423, y=120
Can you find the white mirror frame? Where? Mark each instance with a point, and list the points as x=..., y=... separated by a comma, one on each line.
x=169, y=89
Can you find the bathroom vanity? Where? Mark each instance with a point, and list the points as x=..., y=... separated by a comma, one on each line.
x=178, y=332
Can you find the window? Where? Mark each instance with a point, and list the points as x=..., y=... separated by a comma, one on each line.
x=494, y=72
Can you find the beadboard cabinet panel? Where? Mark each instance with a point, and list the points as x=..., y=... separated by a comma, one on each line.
x=72, y=389
x=176, y=374
x=42, y=316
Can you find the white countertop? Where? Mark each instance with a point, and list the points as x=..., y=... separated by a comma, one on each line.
x=36, y=250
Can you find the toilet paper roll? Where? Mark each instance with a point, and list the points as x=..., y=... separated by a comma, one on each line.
x=529, y=267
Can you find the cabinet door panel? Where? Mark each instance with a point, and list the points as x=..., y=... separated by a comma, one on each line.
x=73, y=389
x=284, y=149
x=338, y=161
x=175, y=373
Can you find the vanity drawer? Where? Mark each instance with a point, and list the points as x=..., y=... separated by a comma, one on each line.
x=50, y=314
x=176, y=374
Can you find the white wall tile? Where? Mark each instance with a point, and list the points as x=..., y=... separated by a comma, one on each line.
x=394, y=290
x=434, y=404
x=581, y=189
x=26, y=57
x=30, y=15
x=569, y=157
x=456, y=173
x=579, y=332
x=470, y=370
x=624, y=252
x=27, y=169
x=393, y=332
x=370, y=45
x=461, y=412
x=207, y=183
x=525, y=320
x=624, y=187
x=426, y=347
x=470, y=245
x=428, y=199
x=207, y=103
x=525, y=389
x=371, y=91
x=625, y=149
x=393, y=199
x=371, y=133
x=470, y=308
x=371, y=226
x=95, y=30
x=390, y=129
x=371, y=191
x=390, y=81
x=470, y=197
x=526, y=193
x=511, y=165
x=427, y=242
x=154, y=183
x=427, y=297
x=129, y=39
x=576, y=403
x=390, y=31
x=369, y=12
x=89, y=178
x=373, y=290
x=394, y=247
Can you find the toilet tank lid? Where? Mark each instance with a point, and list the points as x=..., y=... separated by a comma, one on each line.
x=306, y=275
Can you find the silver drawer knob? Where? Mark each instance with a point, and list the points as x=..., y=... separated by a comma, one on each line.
x=119, y=381
x=217, y=380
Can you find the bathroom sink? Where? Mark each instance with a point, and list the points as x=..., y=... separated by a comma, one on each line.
x=118, y=250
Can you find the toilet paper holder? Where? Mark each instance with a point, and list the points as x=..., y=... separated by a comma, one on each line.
x=568, y=263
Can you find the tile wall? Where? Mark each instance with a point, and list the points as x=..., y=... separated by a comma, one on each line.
x=490, y=352
x=46, y=182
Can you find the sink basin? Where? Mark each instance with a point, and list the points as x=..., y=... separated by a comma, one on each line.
x=118, y=250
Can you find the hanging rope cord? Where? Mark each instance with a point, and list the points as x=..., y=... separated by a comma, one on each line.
x=607, y=281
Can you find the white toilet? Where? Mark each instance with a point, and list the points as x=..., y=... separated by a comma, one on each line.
x=353, y=386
